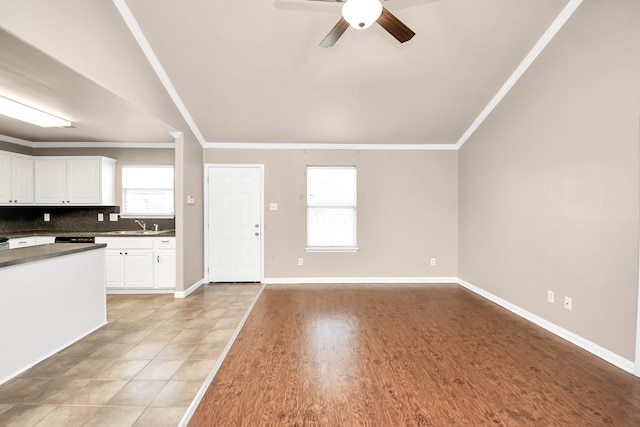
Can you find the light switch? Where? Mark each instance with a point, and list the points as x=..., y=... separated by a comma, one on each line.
x=47, y=217
x=273, y=206
x=191, y=200
x=100, y=217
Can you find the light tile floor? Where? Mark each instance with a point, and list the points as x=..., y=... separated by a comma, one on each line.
x=142, y=369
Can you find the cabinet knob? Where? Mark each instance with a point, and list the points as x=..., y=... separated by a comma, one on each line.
x=158, y=258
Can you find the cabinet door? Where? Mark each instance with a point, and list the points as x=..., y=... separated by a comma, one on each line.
x=138, y=269
x=164, y=272
x=22, y=180
x=5, y=179
x=51, y=181
x=83, y=181
x=114, y=263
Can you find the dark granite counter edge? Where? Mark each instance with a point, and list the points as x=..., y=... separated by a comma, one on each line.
x=19, y=234
x=41, y=252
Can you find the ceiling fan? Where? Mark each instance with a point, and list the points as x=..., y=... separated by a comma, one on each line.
x=361, y=14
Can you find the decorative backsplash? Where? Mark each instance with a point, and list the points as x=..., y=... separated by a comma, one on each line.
x=63, y=218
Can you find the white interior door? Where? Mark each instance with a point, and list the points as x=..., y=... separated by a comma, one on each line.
x=235, y=223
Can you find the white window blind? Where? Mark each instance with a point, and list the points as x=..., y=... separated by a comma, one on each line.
x=147, y=191
x=331, y=208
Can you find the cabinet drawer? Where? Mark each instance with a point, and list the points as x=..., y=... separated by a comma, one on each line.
x=165, y=243
x=126, y=242
x=22, y=242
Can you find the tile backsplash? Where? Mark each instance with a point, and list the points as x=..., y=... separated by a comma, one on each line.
x=64, y=218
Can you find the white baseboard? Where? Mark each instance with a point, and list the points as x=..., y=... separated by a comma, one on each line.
x=338, y=280
x=607, y=355
x=191, y=289
x=139, y=291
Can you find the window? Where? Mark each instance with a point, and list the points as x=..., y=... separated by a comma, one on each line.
x=147, y=191
x=331, y=209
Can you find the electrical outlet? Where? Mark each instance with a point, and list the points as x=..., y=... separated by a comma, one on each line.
x=551, y=297
x=100, y=217
x=568, y=303
x=300, y=261
x=433, y=262
x=113, y=217
x=47, y=217
x=273, y=206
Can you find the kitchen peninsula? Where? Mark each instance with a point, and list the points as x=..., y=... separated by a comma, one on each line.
x=52, y=295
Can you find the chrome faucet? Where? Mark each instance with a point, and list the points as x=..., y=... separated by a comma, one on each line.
x=141, y=224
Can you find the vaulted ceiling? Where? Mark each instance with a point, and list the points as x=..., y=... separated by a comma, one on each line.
x=253, y=71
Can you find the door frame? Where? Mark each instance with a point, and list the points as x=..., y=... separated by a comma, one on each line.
x=636, y=361
x=209, y=167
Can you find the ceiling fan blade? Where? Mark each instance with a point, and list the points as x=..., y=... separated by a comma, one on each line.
x=335, y=33
x=394, y=26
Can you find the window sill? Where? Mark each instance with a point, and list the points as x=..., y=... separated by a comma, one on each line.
x=332, y=249
x=147, y=215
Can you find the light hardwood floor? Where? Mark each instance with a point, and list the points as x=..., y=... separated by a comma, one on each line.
x=438, y=355
x=142, y=369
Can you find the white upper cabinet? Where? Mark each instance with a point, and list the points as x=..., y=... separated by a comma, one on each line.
x=22, y=183
x=6, y=194
x=16, y=179
x=51, y=181
x=75, y=181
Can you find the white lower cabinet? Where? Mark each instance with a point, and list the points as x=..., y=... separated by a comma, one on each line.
x=140, y=263
x=129, y=268
x=164, y=256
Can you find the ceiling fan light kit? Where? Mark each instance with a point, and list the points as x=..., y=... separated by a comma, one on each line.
x=361, y=14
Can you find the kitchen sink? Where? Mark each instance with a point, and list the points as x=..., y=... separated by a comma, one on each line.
x=136, y=232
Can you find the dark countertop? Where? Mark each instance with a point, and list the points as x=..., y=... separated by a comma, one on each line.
x=40, y=252
x=102, y=233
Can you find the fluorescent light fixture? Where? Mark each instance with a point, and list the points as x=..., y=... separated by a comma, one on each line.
x=31, y=115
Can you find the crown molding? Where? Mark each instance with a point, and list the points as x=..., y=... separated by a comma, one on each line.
x=537, y=49
x=320, y=146
x=84, y=144
x=80, y=144
x=17, y=141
